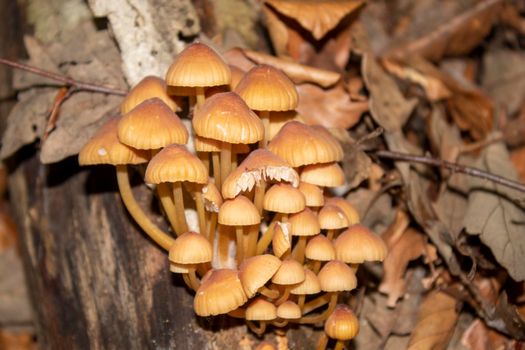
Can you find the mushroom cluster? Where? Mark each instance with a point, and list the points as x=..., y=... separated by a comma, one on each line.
x=272, y=245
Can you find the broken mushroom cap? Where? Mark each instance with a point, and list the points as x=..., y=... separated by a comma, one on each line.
x=198, y=65
x=323, y=174
x=220, y=292
x=239, y=212
x=265, y=88
x=261, y=310
x=105, y=148
x=149, y=87
x=332, y=218
x=320, y=248
x=304, y=223
x=342, y=324
x=358, y=244
x=152, y=125
x=176, y=164
x=300, y=144
x=336, y=276
x=212, y=197
x=284, y=198
x=191, y=248
x=281, y=239
x=254, y=272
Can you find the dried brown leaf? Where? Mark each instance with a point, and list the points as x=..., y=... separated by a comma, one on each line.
x=389, y=108
x=436, y=322
x=479, y=337
x=456, y=35
x=494, y=214
x=331, y=107
x=17, y=340
x=299, y=73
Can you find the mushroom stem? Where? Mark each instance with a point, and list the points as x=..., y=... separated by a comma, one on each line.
x=226, y=160
x=300, y=301
x=178, y=201
x=323, y=342
x=298, y=251
x=216, y=168
x=156, y=234
x=316, y=266
x=199, y=91
x=205, y=159
x=266, y=238
x=166, y=201
x=258, y=199
x=212, y=225
x=253, y=234
x=257, y=330
x=194, y=282
x=340, y=345
x=269, y=293
x=239, y=232
x=330, y=234
x=199, y=204
x=265, y=117
x=324, y=315
x=280, y=324
x=315, y=303
x=284, y=296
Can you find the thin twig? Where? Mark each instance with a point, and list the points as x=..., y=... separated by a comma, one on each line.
x=62, y=94
x=78, y=85
x=405, y=157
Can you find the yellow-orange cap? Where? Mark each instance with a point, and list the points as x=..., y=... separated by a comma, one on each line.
x=265, y=345
x=336, y=276
x=212, y=197
x=254, y=272
x=225, y=117
x=239, y=212
x=320, y=248
x=198, y=65
x=220, y=292
x=149, y=87
x=173, y=164
x=281, y=239
x=278, y=119
x=290, y=272
x=105, y=148
x=260, y=165
x=289, y=310
x=151, y=125
x=351, y=213
x=323, y=174
x=312, y=194
x=261, y=310
x=190, y=248
x=304, y=223
x=265, y=88
x=358, y=244
x=332, y=218
x=342, y=324
x=284, y=198
x=310, y=285
x=300, y=144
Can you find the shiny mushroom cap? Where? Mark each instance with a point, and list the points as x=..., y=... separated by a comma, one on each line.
x=173, y=164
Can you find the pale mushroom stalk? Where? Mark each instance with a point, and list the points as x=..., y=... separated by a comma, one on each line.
x=239, y=232
x=199, y=204
x=340, y=345
x=284, y=296
x=324, y=315
x=156, y=234
x=316, y=266
x=216, y=164
x=322, y=343
x=316, y=303
x=280, y=324
x=265, y=117
x=226, y=160
x=257, y=330
x=205, y=159
x=199, y=91
x=300, y=301
x=212, y=225
x=178, y=201
x=269, y=293
x=330, y=234
x=266, y=238
x=298, y=251
x=191, y=279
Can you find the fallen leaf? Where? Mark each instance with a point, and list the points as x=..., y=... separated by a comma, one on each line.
x=356, y=164
x=298, y=73
x=435, y=36
x=389, y=108
x=494, y=215
x=436, y=322
x=331, y=108
x=379, y=213
x=479, y=337
x=503, y=72
x=17, y=340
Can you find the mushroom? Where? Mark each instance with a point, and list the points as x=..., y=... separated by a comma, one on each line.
x=260, y=310
x=149, y=87
x=341, y=325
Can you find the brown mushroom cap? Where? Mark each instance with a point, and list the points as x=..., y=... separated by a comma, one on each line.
x=289, y=310
x=332, y=218
x=151, y=125
x=261, y=310
x=173, y=164
x=358, y=244
x=300, y=144
x=191, y=248
x=304, y=223
x=351, y=213
x=260, y=165
x=149, y=87
x=225, y=117
x=198, y=65
x=254, y=272
x=105, y=148
x=265, y=88
x=336, y=276
x=323, y=174
x=310, y=285
x=220, y=292
x=320, y=248
x=239, y=212
x=290, y=272
x=284, y=198
x=342, y=324
x=312, y=194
